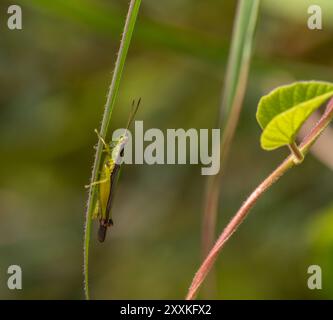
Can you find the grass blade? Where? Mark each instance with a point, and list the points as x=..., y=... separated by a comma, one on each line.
x=232, y=100
x=111, y=98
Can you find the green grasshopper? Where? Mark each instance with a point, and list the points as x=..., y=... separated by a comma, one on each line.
x=109, y=176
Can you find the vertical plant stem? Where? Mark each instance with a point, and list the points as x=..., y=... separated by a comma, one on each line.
x=253, y=198
x=111, y=98
x=232, y=100
x=233, y=225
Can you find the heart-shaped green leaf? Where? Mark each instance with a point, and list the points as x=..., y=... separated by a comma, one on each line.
x=283, y=111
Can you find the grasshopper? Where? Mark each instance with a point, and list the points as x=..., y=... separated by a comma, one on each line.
x=109, y=176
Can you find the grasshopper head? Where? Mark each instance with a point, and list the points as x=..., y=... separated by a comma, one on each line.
x=123, y=138
x=117, y=148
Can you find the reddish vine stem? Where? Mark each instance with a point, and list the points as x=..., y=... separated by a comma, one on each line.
x=242, y=213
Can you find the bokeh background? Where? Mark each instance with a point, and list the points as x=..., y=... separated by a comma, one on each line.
x=54, y=76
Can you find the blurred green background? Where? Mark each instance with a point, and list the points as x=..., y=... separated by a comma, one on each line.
x=54, y=75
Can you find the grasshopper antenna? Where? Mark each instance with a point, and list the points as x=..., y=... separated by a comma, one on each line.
x=133, y=113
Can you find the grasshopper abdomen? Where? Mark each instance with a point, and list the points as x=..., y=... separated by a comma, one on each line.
x=103, y=227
